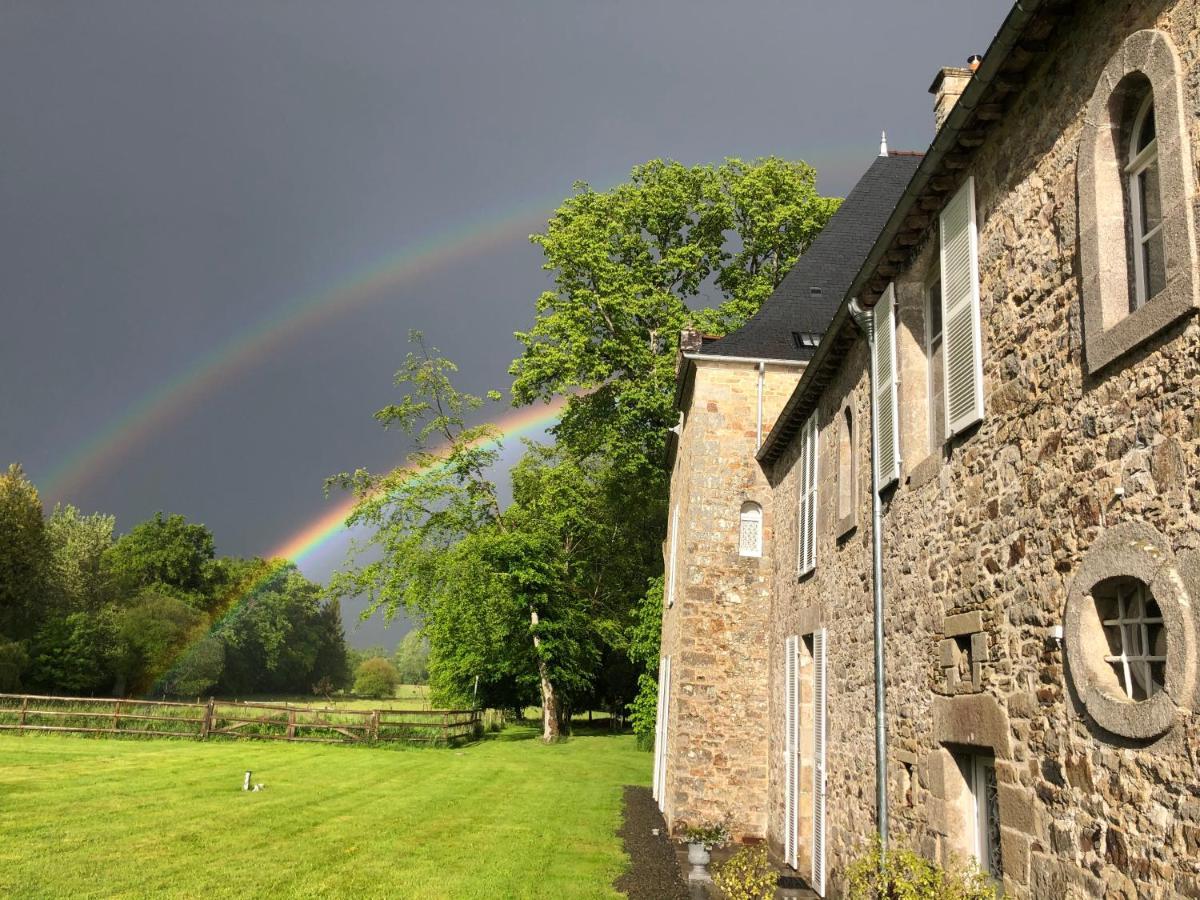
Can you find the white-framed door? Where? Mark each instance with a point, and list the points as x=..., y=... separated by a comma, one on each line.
x=819, y=641
x=791, y=743
x=662, y=732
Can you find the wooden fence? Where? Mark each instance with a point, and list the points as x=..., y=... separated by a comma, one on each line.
x=228, y=719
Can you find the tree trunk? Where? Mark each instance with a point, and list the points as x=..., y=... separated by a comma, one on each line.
x=550, y=732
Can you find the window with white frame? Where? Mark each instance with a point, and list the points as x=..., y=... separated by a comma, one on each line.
x=671, y=557
x=750, y=530
x=806, y=547
x=936, y=364
x=1136, y=200
x=1145, y=204
x=981, y=811
x=1136, y=638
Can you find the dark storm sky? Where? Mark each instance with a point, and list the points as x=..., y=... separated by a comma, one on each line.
x=174, y=173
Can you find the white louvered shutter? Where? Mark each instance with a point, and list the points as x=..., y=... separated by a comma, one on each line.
x=807, y=543
x=887, y=459
x=671, y=556
x=666, y=735
x=658, y=723
x=791, y=726
x=961, y=341
x=819, y=701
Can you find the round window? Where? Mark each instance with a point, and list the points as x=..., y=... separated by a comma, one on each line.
x=1129, y=633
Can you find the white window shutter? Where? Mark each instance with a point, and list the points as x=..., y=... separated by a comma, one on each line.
x=792, y=750
x=658, y=723
x=671, y=556
x=887, y=459
x=665, y=696
x=807, y=531
x=819, y=701
x=962, y=339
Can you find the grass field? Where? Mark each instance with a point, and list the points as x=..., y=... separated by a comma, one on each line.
x=408, y=696
x=507, y=817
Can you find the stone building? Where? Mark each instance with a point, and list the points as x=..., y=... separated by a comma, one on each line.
x=720, y=544
x=1022, y=327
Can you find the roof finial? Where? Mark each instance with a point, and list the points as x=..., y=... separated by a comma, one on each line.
x=883, y=151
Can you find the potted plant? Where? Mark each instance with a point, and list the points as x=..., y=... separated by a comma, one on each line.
x=700, y=840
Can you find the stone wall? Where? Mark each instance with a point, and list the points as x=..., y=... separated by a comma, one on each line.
x=984, y=538
x=716, y=767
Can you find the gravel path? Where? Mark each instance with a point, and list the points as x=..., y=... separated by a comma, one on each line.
x=653, y=872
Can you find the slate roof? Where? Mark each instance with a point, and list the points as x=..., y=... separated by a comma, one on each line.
x=791, y=321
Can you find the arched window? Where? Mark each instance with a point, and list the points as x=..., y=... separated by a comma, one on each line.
x=845, y=468
x=1145, y=202
x=750, y=536
x=1137, y=229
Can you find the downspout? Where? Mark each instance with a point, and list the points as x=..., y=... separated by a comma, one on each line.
x=865, y=320
x=762, y=371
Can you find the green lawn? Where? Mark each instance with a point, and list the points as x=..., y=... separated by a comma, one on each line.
x=507, y=817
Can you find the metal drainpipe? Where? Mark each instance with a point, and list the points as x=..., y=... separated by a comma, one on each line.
x=762, y=373
x=865, y=320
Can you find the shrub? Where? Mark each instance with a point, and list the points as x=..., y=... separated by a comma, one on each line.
x=712, y=835
x=13, y=661
x=376, y=677
x=906, y=875
x=747, y=875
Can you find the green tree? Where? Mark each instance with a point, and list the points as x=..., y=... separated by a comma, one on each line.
x=281, y=635
x=376, y=677
x=152, y=633
x=644, y=644
x=78, y=545
x=412, y=658
x=166, y=551
x=24, y=556
x=74, y=654
x=439, y=536
x=13, y=661
x=198, y=670
x=626, y=262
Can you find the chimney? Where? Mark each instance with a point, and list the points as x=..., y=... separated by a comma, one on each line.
x=689, y=340
x=946, y=89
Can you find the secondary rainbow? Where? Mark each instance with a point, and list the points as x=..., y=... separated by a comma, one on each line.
x=217, y=367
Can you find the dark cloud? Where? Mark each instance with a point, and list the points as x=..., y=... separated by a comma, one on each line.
x=172, y=174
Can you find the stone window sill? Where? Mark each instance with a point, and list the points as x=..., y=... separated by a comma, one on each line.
x=846, y=526
x=1171, y=304
x=926, y=470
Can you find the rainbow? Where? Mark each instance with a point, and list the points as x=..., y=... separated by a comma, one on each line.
x=330, y=524
x=219, y=366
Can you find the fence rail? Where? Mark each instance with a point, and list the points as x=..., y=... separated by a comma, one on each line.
x=235, y=720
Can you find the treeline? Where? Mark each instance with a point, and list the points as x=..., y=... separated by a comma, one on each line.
x=152, y=612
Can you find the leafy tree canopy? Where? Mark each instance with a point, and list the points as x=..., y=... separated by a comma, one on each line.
x=167, y=551
x=626, y=263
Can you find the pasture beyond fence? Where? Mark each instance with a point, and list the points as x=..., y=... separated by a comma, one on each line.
x=233, y=719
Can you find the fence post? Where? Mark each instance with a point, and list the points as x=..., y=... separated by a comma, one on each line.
x=117, y=717
x=374, y=725
x=24, y=706
x=206, y=723
x=291, y=730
